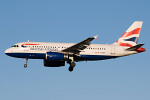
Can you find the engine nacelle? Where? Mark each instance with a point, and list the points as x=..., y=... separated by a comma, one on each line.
x=55, y=56
x=48, y=63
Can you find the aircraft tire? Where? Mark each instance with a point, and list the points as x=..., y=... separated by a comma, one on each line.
x=70, y=69
x=72, y=64
x=25, y=65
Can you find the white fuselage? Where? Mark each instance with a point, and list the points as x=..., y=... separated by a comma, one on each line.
x=92, y=52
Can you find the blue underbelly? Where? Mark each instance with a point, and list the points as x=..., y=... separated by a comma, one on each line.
x=28, y=55
x=76, y=58
x=94, y=57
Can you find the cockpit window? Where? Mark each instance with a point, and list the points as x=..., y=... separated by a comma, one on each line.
x=15, y=46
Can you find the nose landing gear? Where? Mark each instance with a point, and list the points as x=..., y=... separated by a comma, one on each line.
x=26, y=61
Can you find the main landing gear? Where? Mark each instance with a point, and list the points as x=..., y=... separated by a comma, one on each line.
x=26, y=61
x=71, y=63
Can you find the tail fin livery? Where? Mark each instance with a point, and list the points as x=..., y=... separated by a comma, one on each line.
x=130, y=37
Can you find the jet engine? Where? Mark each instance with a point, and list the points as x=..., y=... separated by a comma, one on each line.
x=48, y=63
x=55, y=56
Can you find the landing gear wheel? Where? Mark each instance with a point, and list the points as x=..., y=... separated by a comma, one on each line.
x=26, y=61
x=25, y=65
x=72, y=64
x=70, y=69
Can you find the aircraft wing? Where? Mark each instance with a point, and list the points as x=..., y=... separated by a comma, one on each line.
x=80, y=46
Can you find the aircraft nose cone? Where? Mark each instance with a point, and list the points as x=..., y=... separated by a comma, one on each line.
x=7, y=52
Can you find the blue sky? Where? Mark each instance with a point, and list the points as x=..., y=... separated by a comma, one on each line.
x=125, y=78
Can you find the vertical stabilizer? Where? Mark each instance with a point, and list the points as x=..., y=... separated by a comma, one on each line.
x=130, y=37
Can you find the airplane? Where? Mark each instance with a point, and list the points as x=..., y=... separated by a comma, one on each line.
x=56, y=54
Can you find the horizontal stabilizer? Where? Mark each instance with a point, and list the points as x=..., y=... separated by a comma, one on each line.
x=134, y=47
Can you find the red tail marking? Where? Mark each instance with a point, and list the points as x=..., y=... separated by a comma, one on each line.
x=124, y=44
x=140, y=50
x=136, y=31
x=30, y=44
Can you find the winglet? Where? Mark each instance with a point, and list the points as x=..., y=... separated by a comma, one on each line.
x=96, y=36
